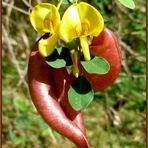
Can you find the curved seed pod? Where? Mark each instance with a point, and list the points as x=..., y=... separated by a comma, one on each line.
x=106, y=46
x=62, y=81
x=44, y=98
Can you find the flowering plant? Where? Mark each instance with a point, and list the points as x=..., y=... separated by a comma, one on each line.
x=74, y=32
x=76, y=57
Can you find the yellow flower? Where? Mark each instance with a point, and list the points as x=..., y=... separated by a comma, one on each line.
x=80, y=21
x=45, y=18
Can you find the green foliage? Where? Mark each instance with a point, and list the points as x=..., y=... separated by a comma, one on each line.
x=23, y=121
x=65, y=2
x=17, y=141
x=126, y=96
x=20, y=105
x=55, y=61
x=80, y=94
x=128, y=3
x=59, y=58
x=97, y=65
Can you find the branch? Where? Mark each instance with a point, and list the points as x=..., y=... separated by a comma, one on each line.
x=13, y=58
x=15, y=8
x=133, y=53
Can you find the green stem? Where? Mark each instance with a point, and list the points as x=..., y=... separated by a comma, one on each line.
x=59, y=4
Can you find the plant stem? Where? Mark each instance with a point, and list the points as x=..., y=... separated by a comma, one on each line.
x=53, y=137
x=59, y=4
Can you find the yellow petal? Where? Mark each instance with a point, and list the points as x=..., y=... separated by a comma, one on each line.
x=45, y=18
x=91, y=16
x=85, y=48
x=47, y=46
x=68, y=23
x=80, y=20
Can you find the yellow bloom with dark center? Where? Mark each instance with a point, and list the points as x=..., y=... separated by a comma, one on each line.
x=80, y=21
x=45, y=18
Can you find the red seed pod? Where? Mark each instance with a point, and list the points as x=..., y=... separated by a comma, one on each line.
x=62, y=81
x=106, y=46
x=41, y=87
x=48, y=87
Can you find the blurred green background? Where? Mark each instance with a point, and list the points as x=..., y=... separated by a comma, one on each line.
x=115, y=119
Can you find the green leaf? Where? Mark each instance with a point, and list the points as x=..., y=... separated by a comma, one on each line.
x=97, y=65
x=128, y=3
x=11, y=133
x=55, y=61
x=58, y=63
x=69, y=69
x=20, y=105
x=59, y=50
x=59, y=58
x=65, y=2
x=80, y=94
x=23, y=121
x=20, y=141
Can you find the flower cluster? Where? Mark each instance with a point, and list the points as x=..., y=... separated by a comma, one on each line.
x=79, y=21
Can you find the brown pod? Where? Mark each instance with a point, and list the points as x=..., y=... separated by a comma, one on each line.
x=62, y=81
x=45, y=100
x=106, y=46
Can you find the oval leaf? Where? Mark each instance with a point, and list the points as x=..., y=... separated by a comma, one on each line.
x=58, y=63
x=97, y=65
x=65, y=2
x=55, y=61
x=128, y=3
x=80, y=94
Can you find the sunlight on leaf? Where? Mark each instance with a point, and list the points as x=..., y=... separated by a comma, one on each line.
x=128, y=3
